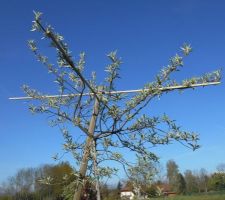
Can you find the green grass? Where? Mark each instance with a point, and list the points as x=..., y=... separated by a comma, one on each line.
x=195, y=197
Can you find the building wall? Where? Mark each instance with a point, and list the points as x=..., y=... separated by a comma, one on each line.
x=129, y=194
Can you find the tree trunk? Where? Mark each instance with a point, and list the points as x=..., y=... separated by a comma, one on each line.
x=88, y=145
x=96, y=174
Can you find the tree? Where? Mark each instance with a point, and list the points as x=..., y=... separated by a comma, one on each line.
x=191, y=182
x=8, y=187
x=117, y=120
x=217, y=181
x=104, y=191
x=29, y=183
x=172, y=173
x=21, y=184
x=141, y=175
x=203, y=178
x=161, y=173
x=221, y=167
x=176, y=180
x=119, y=186
x=24, y=181
x=181, y=184
x=51, y=179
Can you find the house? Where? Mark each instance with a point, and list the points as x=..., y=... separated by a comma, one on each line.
x=164, y=189
x=126, y=193
x=170, y=194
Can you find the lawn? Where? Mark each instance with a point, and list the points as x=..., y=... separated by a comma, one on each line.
x=195, y=197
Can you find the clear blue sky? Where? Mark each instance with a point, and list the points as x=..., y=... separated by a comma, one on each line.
x=146, y=34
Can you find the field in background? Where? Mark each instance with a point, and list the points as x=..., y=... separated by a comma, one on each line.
x=209, y=196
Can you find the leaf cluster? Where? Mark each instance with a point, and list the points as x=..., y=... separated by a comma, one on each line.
x=120, y=123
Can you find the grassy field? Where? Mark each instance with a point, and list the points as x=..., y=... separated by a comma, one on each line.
x=195, y=197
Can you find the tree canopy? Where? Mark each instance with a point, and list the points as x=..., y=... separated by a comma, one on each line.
x=110, y=120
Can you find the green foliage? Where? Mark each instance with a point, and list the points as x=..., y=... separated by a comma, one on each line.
x=6, y=197
x=141, y=175
x=112, y=195
x=191, y=182
x=119, y=186
x=181, y=184
x=43, y=182
x=172, y=174
x=151, y=191
x=176, y=180
x=217, y=181
x=195, y=197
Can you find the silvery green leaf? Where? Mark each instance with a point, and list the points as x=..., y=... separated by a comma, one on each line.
x=186, y=49
x=37, y=15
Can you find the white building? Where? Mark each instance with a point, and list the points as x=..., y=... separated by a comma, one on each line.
x=128, y=194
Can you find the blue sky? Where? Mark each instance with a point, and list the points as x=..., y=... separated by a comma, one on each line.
x=146, y=34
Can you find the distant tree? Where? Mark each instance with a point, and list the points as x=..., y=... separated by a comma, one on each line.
x=180, y=184
x=172, y=173
x=151, y=191
x=142, y=175
x=43, y=188
x=108, y=119
x=110, y=193
x=51, y=179
x=217, y=181
x=161, y=174
x=24, y=180
x=191, y=182
x=119, y=186
x=202, y=180
x=21, y=185
x=221, y=167
x=104, y=191
x=8, y=186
